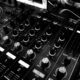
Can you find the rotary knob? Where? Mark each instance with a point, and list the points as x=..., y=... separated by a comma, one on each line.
x=21, y=27
x=48, y=32
x=44, y=38
x=67, y=61
x=1, y=11
x=38, y=45
x=26, y=38
x=37, y=27
x=52, y=52
x=32, y=32
x=6, y=30
x=61, y=73
x=15, y=32
x=45, y=63
x=57, y=44
x=30, y=54
x=62, y=37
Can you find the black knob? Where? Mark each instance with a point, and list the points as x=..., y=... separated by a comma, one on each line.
x=37, y=27
x=26, y=38
x=15, y=33
x=67, y=61
x=45, y=63
x=38, y=45
x=48, y=32
x=52, y=52
x=21, y=27
x=61, y=72
x=32, y=32
x=30, y=54
x=57, y=44
x=44, y=38
x=62, y=37
x=27, y=23
x=6, y=30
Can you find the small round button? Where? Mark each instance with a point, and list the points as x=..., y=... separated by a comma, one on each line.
x=32, y=32
x=45, y=63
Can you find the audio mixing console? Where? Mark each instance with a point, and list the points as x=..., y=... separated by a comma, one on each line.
x=39, y=40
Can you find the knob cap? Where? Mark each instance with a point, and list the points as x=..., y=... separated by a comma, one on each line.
x=61, y=73
x=45, y=63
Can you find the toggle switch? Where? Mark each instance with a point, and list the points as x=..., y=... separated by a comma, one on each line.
x=45, y=63
x=61, y=73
